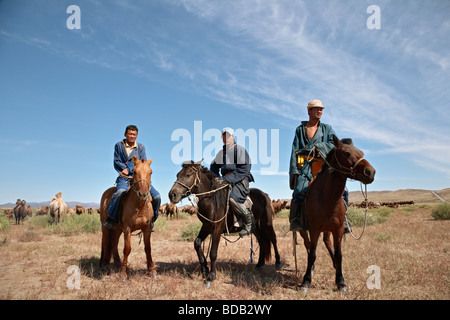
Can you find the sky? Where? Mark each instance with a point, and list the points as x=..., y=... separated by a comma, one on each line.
x=71, y=80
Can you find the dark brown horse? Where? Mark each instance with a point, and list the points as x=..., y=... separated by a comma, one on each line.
x=137, y=214
x=212, y=212
x=325, y=208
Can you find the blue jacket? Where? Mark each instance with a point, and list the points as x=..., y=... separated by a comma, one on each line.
x=234, y=164
x=121, y=161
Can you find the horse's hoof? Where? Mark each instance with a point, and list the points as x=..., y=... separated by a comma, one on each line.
x=278, y=266
x=207, y=284
x=304, y=287
x=153, y=275
x=342, y=289
x=124, y=279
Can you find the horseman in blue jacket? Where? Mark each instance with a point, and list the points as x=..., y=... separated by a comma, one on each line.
x=124, y=151
x=233, y=162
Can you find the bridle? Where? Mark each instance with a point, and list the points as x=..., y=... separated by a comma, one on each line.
x=196, y=195
x=140, y=196
x=194, y=184
x=349, y=171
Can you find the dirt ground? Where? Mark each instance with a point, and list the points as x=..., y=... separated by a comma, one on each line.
x=405, y=257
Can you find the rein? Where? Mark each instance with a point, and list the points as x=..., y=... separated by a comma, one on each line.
x=364, y=193
x=138, y=193
x=351, y=172
x=196, y=195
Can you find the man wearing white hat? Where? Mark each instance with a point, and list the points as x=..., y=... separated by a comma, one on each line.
x=233, y=162
x=309, y=134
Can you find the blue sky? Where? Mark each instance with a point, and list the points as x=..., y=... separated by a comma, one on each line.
x=66, y=95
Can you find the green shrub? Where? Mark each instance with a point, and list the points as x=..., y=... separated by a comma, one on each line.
x=283, y=213
x=356, y=216
x=4, y=223
x=441, y=212
x=190, y=231
x=85, y=223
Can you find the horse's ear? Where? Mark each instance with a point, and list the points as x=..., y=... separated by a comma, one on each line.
x=348, y=141
x=149, y=162
x=200, y=162
x=135, y=160
x=336, y=141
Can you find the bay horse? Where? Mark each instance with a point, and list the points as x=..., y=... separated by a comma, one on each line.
x=137, y=214
x=325, y=207
x=212, y=212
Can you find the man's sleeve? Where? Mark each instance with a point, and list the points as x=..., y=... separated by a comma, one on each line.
x=118, y=164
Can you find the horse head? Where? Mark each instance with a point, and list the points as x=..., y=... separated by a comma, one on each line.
x=141, y=181
x=349, y=160
x=188, y=180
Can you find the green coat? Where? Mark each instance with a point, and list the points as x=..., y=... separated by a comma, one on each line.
x=323, y=140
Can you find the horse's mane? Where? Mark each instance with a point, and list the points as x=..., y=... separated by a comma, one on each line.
x=203, y=169
x=220, y=200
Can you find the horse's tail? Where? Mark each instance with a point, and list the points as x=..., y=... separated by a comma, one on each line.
x=107, y=239
x=107, y=234
x=263, y=212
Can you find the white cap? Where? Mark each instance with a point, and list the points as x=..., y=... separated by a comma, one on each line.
x=228, y=130
x=315, y=104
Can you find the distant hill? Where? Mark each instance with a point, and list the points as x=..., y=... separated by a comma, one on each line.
x=416, y=195
x=70, y=204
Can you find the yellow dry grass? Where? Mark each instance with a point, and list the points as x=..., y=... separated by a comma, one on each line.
x=411, y=250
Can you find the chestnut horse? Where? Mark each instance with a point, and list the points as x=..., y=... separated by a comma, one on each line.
x=137, y=214
x=212, y=212
x=325, y=207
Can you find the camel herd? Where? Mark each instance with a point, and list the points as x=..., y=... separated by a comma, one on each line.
x=58, y=208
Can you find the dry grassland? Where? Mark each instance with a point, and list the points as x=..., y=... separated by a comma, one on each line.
x=411, y=249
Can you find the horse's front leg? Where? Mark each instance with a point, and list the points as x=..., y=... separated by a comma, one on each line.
x=337, y=239
x=314, y=236
x=327, y=242
x=213, y=253
x=148, y=251
x=198, y=248
x=126, y=253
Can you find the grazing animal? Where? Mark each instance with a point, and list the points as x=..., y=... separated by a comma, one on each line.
x=190, y=209
x=278, y=205
x=136, y=214
x=162, y=209
x=212, y=212
x=325, y=207
x=20, y=211
x=57, y=208
x=172, y=210
x=42, y=210
x=8, y=213
x=28, y=211
x=80, y=209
